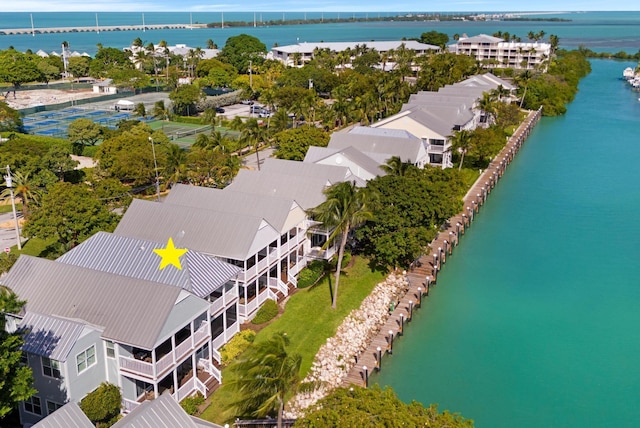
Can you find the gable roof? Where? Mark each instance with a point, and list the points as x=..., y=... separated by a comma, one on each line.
x=306, y=191
x=163, y=412
x=408, y=148
x=49, y=336
x=229, y=235
x=380, y=46
x=130, y=311
x=366, y=163
x=279, y=212
x=122, y=255
x=332, y=173
x=68, y=416
x=481, y=38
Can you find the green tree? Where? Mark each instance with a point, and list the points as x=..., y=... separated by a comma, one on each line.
x=434, y=38
x=48, y=71
x=264, y=376
x=184, y=99
x=103, y=404
x=255, y=134
x=395, y=166
x=10, y=119
x=293, y=144
x=24, y=189
x=79, y=66
x=18, y=68
x=376, y=407
x=108, y=59
x=69, y=213
x=15, y=378
x=83, y=133
x=240, y=49
x=346, y=206
x=461, y=142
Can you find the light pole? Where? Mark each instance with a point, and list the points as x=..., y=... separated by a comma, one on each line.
x=155, y=165
x=9, y=182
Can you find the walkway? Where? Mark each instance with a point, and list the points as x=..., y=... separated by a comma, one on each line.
x=424, y=272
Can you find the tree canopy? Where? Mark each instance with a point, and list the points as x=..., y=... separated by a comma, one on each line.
x=240, y=49
x=376, y=407
x=434, y=38
x=15, y=378
x=292, y=144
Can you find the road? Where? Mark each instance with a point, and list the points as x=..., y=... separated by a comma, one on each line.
x=8, y=230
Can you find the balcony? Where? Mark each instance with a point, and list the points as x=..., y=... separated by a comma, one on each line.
x=144, y=367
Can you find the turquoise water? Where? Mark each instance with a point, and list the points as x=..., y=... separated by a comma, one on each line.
x=534, y=321
x=604, y=31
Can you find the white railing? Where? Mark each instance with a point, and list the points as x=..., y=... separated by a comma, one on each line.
x=276, y=283
x=215, y=354
x=200, y=386
x=217, y=305
x=200, y=335
x=129, y=405
x=183, y=348
x=136, y=366
x=210, y=368
x=435, y=149
x=217, y=342
x=292, y=279
x=185, y=390
x=164, y=364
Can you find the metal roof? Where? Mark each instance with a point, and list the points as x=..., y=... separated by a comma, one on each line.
x=68, y=416
x=378, y=132
x=407, y=148
x=279, y=212
x=131, y=311
x=380, y=46
x=49, y=336
x=163, y=412
x=122, y=255
x=228, y=235
x=331, y=173
x=306, y=191
x=359, y=158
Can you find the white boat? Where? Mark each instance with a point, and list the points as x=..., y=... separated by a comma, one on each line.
x=628, y=73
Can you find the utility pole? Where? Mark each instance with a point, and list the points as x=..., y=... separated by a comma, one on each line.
x=155, y=165
x=9, y=182
x=250, y=75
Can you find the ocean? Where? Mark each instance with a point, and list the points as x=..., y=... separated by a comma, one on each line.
x=534, y=321
x=601, y=31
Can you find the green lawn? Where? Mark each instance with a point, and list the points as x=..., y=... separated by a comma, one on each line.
x=309, y=320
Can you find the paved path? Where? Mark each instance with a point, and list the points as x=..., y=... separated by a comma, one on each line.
x=424, y=271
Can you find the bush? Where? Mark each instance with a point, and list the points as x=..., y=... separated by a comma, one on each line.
x=312, y=273
x=191, y=404
x=193, y=120
x=266, y=313
x=236, y=346
x=102, y=405
x=220, y=100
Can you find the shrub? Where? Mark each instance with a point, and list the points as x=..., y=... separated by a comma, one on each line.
x=266, y=313
x=220, y=100
x=102, y=405
x=236, y=346
x=312, y=273
x=191, y=404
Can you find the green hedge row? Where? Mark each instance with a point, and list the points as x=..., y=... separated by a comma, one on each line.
x=266, y=313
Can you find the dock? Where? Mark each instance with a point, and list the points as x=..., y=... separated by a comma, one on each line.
x=423, y=273
x=98, y=29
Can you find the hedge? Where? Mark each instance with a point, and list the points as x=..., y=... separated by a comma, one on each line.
x=266, y=313
x=191, y=404
x=236, y=346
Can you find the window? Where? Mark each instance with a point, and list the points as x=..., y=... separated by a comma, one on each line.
x=111, y=349
x=32, y=405
x=52, y=407
x=86, y=359
x=50, y=367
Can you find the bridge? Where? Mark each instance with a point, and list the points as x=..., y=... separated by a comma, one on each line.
x=98, y=29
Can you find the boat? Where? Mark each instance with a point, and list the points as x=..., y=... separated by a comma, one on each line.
x=628, y=73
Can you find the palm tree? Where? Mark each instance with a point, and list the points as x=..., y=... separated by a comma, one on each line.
x=487, y=105
x=254, y=134
x=523, y=80
x=176, y=164
x=346, y=206
x=395, y=166
x=461, y=141
x=24, y=189
x=264, y=376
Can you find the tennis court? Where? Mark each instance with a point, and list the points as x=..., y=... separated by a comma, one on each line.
x=182, y=134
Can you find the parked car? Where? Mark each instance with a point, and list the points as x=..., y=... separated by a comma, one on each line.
x=219, y=110
x=255, y=109
x=247, y=102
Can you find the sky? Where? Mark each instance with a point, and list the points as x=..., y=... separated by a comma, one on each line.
x=313, y=5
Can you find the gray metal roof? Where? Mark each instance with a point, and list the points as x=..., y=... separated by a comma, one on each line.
x=408, y=148
x=306, y=191
x=279, y=212
x=380, y=46
x=378, y=132
x=228, y=235
x=131, y=311
x=49, y=336
x=487, y=79
x=163, y=412
x=132, y=257
x=68, y=416
x=318, y=154
x=331, y=173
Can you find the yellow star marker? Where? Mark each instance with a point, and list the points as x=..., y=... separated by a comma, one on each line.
x=170, y=255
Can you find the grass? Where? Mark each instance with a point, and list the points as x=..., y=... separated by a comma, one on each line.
x=6, y=208
x=308, y=320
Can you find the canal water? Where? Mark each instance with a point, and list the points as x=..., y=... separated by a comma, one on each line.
x=535, y=318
